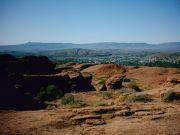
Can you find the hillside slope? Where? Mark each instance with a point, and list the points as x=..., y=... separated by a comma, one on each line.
x=104, y=112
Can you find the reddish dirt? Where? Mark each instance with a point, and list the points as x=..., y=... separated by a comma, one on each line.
x=152, y=77
x=116, y=118
x=147, y=78
x=104, y=69
x=147, y=118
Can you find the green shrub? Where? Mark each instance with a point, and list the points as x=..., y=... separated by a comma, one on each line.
x=69, y=99
x=48, y=93
x=101, y=104
x=170, y=96
x=123, y=97
x=105, y=95
x=51, y=107
x=140, y=98
x=135, y=87
x=102, y=82
x=126, y=90
x=126, y=80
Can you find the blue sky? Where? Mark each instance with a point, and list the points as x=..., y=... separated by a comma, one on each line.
x=86, y=21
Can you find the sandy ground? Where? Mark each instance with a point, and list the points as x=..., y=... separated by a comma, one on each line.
x=153, y=118
x=146, y=119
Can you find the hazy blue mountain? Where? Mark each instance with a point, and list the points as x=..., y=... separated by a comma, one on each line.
x=38, y=46
x=134, y=54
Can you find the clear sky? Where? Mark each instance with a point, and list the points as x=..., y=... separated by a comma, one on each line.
x=86, y=21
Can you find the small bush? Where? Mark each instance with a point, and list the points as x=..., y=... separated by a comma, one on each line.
x=105, y=95
x=140, y=98
x=51, y=107
x=123, y=97
x=102, y=82
x=126, y=80
x=48, y=93
x=126, y=90
x=101, y=85
x=170, y=96
x=69, y=99
x=101, y=104
x=135, y=87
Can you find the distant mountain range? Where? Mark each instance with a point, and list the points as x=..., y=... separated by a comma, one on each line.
x=39, y=46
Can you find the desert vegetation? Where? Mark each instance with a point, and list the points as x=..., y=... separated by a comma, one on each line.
x=140, y=98
x=105, y=95
x=69, y=99
x=170, y=96
x=48, y=93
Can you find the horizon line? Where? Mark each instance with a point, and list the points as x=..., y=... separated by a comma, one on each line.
x=33, y=42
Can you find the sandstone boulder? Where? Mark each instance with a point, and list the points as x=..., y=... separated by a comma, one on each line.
x=84, y=66
x=99, y=85
x=81, y=81
x=101, y=72
x=36, y=65
x=114, y=82
x=105, y=70
x=33, y=83
x=64, y=67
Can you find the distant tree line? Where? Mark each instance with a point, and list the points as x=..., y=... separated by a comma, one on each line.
x=162, y=64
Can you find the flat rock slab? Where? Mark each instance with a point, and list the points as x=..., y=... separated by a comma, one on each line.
x=95, y=121
x=99, y=110
x=124, y=113
x=109, y=109
x=84, y=117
